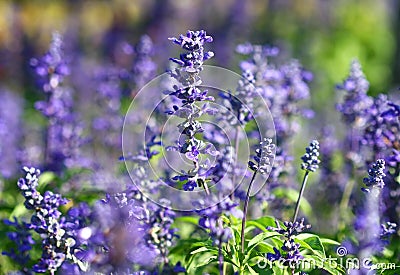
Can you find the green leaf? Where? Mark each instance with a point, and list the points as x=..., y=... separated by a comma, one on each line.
x=19, y=210
x=257, y=240
x=311, y=242
x=46, y=178
x=262, y=223
x=207, y=262
x=329, y=241
x=199, y=250
x=252, y=271
x=188, y=219
x=260, y=238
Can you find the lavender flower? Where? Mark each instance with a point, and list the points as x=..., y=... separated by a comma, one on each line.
x=240, y=104
x=210, y=219
x=143, y=68
x=10, y=132
x=22, y=237
x=372, y=234
x=187, y=75
x=310, y=158
x=356, y=102
x=52, y=67
x=387, y=229
x=108, y=124
x=382, y=127
x=290, y=254
x=58, y=244
x=375, y=176
x=282, y=87
x=115, y=238
x=291, y=228
x=193, y=42
x=64, y=133
x=263, y=157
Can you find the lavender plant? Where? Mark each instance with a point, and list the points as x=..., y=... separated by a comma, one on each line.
x=57, y=240
x=189, y=93
x=63, y=132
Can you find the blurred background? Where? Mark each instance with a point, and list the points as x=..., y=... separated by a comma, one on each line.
x=324, y=35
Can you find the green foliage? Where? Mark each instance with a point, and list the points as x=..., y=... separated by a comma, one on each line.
x=201, y=255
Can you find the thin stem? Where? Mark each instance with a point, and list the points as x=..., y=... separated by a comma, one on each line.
x=236, y=159
x=220, y=256
x=348, y=190
x=206, y=188
x=246, y=205
x=303, y=186
x=345, y=202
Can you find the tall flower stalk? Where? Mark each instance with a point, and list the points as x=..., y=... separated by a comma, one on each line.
x=63, y=132
x=191, y=95
x=261, y=164
x=310, y=164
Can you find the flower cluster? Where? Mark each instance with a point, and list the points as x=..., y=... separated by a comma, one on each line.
x=310, y=158
x=375, y=175
x=52, y=67
x=108, y=124
x=239, y=105
x=211, y=220
x=263, y=157
x=281, y=86
x=188, y=76
x=356, y=101
x=58, y=242
x=193, y=42
x=22, y=237
x=64, y=132
x=382, y=126
x=290, y=249
x=10, y=132
x=143, y=68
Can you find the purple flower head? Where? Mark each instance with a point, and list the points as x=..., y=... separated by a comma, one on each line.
x=210, y=219
x=387, y=229
x=381, y=129
x=310, y=158
x=375, y=175
x=240, y=104
x=194, y=103
x=264, y=155
x=58, y=236
x=291, y=228
x=143, y=66
x=193, y=43
x=22, y=238
x=290, y=253
x=10, y=132
x=52, y=67
x=356, y=101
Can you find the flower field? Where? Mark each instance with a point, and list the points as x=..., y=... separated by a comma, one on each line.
x=263, y=140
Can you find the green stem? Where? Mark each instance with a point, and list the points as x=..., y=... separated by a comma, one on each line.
x=246, y=205
x=344, y=203
x=303, y=186
x=236, y=159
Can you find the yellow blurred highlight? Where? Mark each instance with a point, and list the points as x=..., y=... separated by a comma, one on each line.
x=43, y=19
x=96, y=17
x=5, y=23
